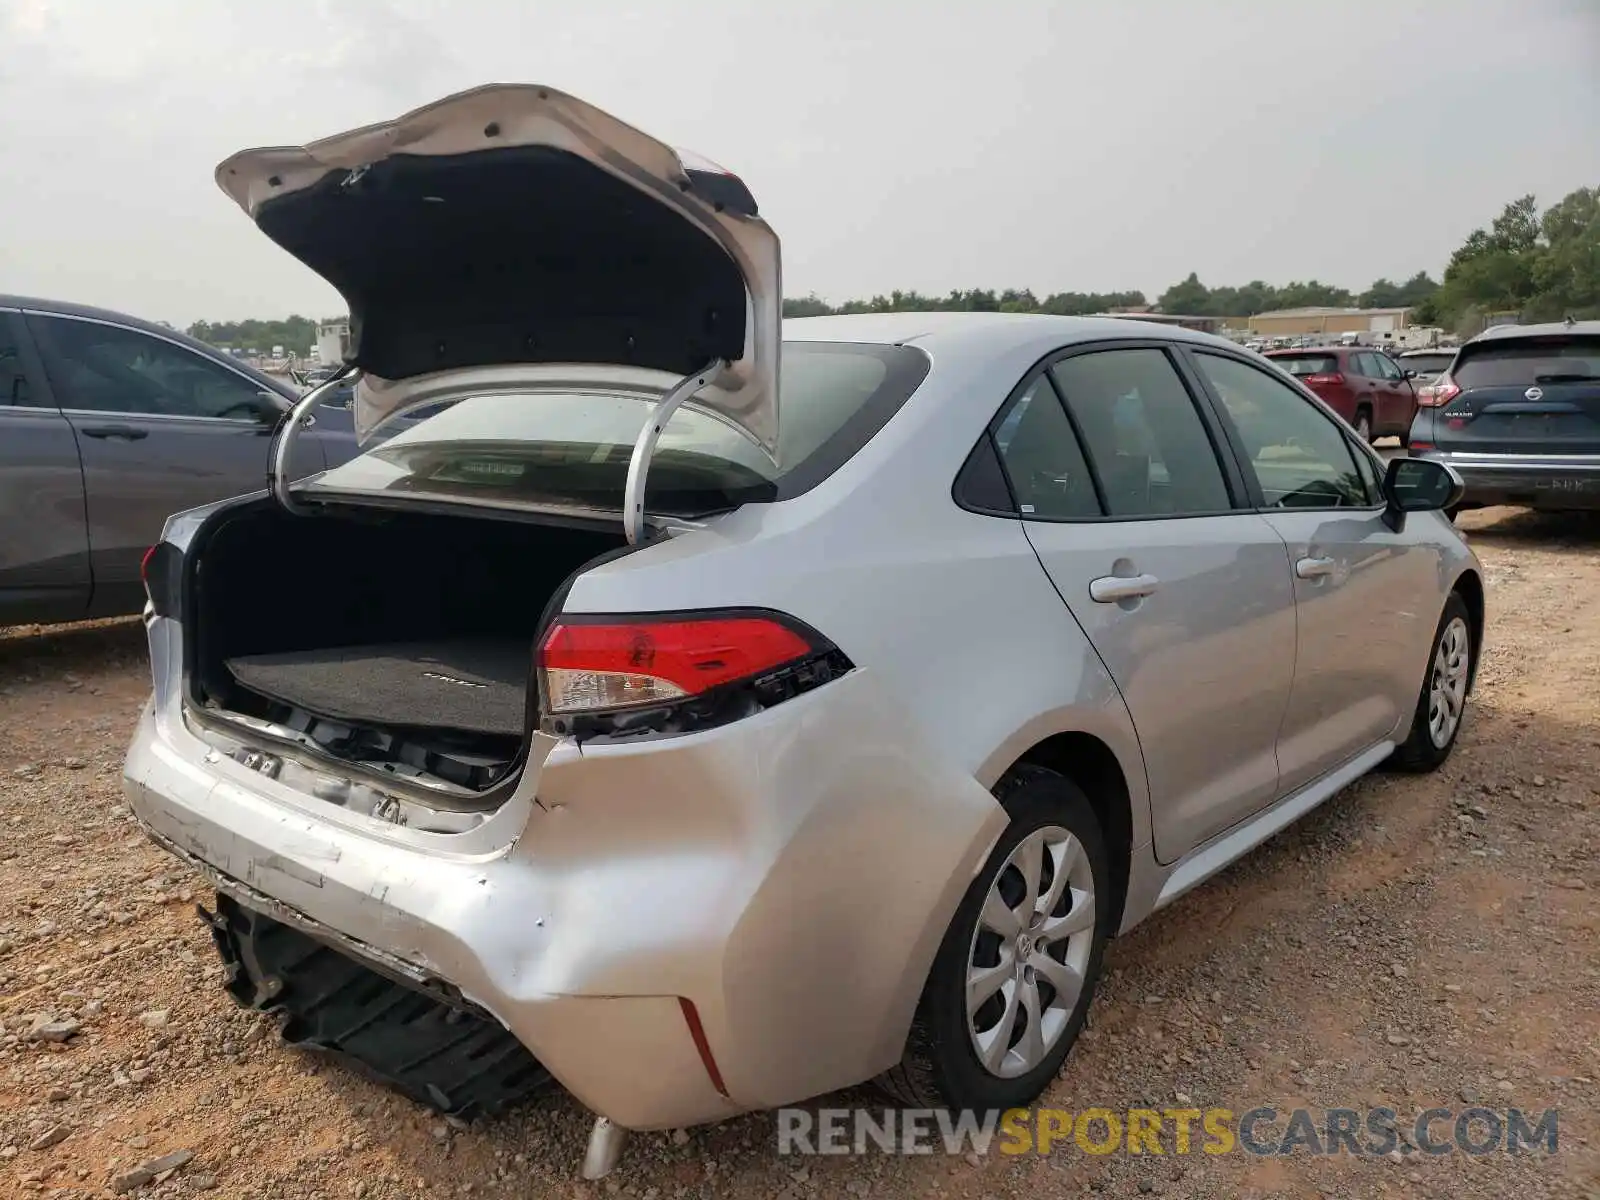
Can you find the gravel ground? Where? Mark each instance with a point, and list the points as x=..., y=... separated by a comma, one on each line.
x=1416, y=942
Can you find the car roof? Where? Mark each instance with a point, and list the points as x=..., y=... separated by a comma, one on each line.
x=987, y=333
x=89, y=312
x=1497, y=333
x=1425, y=350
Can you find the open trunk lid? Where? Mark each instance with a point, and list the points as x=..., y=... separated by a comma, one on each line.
x=1533, y=395
x=517, y=226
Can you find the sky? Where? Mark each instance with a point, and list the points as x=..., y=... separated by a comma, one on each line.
x=1058, y=145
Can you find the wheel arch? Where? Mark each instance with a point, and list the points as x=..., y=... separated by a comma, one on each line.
x=1091, y=763
x=1469, y=586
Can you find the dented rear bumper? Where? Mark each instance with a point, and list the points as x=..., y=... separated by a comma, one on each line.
x=789, y=876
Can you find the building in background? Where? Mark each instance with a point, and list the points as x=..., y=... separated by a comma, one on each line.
x=333, y=341
x=1301, y=322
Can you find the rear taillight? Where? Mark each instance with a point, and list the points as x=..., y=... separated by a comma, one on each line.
x=1332, y=379
x=162, y=572
x=679, y=671
x=1438, y=393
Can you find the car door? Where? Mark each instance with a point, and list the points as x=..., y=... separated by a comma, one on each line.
x=1400, y=399
x=1138, y=521
x=160, y=428
x=44, y=537
x=1359, y=586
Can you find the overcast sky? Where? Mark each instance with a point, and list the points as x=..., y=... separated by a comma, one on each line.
x=1061, y=145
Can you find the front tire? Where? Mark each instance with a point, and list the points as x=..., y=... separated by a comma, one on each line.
x=1441, y=708
x=1364, y=426
x=1014, y=977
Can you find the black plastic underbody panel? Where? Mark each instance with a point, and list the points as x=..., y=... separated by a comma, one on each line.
x=434, y=1048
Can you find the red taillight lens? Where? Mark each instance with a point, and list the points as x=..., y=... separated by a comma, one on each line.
x=1439, y=393
x=1332, y=379
x=595, y=666
x=161, y=569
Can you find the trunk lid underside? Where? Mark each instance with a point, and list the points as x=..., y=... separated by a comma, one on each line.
x=516, y=225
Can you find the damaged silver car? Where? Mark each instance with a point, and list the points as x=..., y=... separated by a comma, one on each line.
x=623, y=728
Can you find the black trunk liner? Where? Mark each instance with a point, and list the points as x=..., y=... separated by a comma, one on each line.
x=479, y=685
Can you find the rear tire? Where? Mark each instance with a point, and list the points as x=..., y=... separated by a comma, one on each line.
x=1442, y=705
x=1032, y=976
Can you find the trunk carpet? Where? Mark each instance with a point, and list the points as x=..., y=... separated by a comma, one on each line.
x=472, y=684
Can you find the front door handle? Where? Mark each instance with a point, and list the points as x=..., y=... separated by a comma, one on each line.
x=126, y=432
x=1313, y=568
x=1109, y=589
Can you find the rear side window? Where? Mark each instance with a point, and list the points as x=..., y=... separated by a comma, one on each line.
x=1043, y=459
x=1523, y=362
x=1144, y=437
x=13, y=376
x=1301, y=365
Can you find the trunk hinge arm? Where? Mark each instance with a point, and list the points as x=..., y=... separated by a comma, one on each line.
x=644, y=447
x=283, y=437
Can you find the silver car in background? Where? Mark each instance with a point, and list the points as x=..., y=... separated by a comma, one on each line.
x=707, y=712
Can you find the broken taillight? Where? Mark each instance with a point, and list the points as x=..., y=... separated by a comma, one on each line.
x=689, y=669
x=162, y=572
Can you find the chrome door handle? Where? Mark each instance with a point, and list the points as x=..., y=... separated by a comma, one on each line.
x=1313, y=568
x=1108, y=589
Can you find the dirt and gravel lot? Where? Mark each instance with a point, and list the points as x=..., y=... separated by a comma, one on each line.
x=1417, y=942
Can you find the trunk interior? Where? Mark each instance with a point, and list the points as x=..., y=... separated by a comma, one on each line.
x=402, y=642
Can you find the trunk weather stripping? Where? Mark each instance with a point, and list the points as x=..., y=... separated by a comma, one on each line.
x=283, y=439
x=644, y=447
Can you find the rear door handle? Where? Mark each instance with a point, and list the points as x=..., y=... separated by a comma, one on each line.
x=1313, y=568
x=1108, y=589
x=127, y=432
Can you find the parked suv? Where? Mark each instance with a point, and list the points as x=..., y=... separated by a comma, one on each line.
x=605, y=729
x=1362, y=385
x=1517, y=415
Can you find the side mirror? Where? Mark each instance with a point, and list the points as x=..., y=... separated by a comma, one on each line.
x=270, y=407
x=1411, y=374
x=1418, y=485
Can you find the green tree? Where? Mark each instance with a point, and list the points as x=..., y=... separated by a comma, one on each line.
x=1542, y=267
x=1188, y=297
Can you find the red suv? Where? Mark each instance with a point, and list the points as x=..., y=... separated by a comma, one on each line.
x=1362, y=385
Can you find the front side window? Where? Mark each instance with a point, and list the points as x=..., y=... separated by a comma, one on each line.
x=106, y=368
x=1300, y=456
x=1145, y=440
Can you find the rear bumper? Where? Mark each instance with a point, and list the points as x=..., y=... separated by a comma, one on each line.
x=1536, y=480
x=790, y=875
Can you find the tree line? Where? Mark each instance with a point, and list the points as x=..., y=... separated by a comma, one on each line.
x=1539, y=265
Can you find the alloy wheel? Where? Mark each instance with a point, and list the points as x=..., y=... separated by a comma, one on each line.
x=1030, y=951
x=1447, y=686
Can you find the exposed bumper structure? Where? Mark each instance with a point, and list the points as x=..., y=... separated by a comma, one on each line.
x=1536, y=480
x=773, y=873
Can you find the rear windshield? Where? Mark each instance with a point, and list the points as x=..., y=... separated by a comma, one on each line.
x=1522, y=362
x=1426, y=364
x=1306, y=364
x=572, y=449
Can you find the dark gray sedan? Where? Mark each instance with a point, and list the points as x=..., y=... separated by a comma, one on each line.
x=109, y=424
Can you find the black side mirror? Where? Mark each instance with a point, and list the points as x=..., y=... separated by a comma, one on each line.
x=1418, y=485
x=1411, y=374
x=270, y=407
